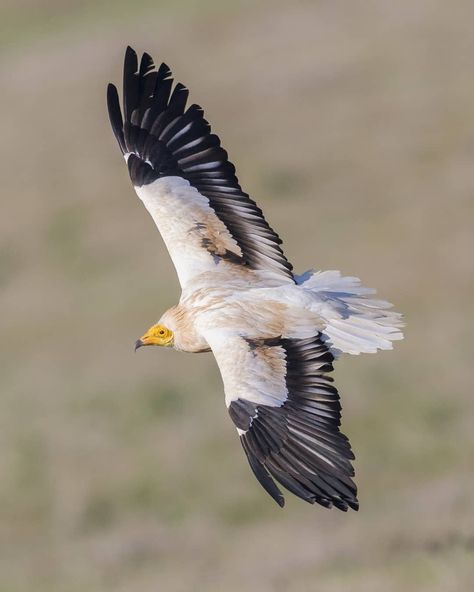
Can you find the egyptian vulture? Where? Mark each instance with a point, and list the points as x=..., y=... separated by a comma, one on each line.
x=274, y=334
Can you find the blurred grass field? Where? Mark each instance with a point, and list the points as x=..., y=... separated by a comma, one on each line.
x=352, y=124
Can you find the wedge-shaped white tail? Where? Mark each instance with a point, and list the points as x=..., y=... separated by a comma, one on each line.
x=355, y=322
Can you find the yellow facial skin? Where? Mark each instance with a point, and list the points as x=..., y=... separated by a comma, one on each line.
x=156, y=335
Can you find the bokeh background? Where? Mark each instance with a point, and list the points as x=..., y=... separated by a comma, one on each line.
x=352, y=124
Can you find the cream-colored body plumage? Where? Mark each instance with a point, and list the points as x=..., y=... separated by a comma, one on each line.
x=274, y=334
x=256, y=312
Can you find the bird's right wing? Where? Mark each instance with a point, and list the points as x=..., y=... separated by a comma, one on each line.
x=287, y=413
x=185, y=180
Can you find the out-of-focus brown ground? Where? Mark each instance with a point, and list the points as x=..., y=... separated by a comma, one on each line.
x=352, y=124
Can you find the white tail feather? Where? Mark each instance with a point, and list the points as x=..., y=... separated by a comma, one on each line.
x=355, y=323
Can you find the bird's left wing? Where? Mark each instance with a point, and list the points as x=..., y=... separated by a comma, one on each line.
x=182, y=175
x=287, y=413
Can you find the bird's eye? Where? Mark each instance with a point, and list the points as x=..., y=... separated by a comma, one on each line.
x=161, y=331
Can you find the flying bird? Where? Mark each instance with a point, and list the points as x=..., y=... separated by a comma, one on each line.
x=274, y=334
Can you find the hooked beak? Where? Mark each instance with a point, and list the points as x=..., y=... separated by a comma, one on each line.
x=138, y=343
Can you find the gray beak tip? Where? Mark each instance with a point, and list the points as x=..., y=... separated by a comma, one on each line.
x=138, y=343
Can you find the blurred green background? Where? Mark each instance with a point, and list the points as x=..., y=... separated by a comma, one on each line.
x=352, y=124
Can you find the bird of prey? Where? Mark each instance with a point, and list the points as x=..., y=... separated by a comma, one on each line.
x=274, y=334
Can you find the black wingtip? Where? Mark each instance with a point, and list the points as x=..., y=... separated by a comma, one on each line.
x=130, y=53
x=112, y=96
x=130, y=62
x=115, y=114
x=130, y=82
x=262, y=475
x=146, y=64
